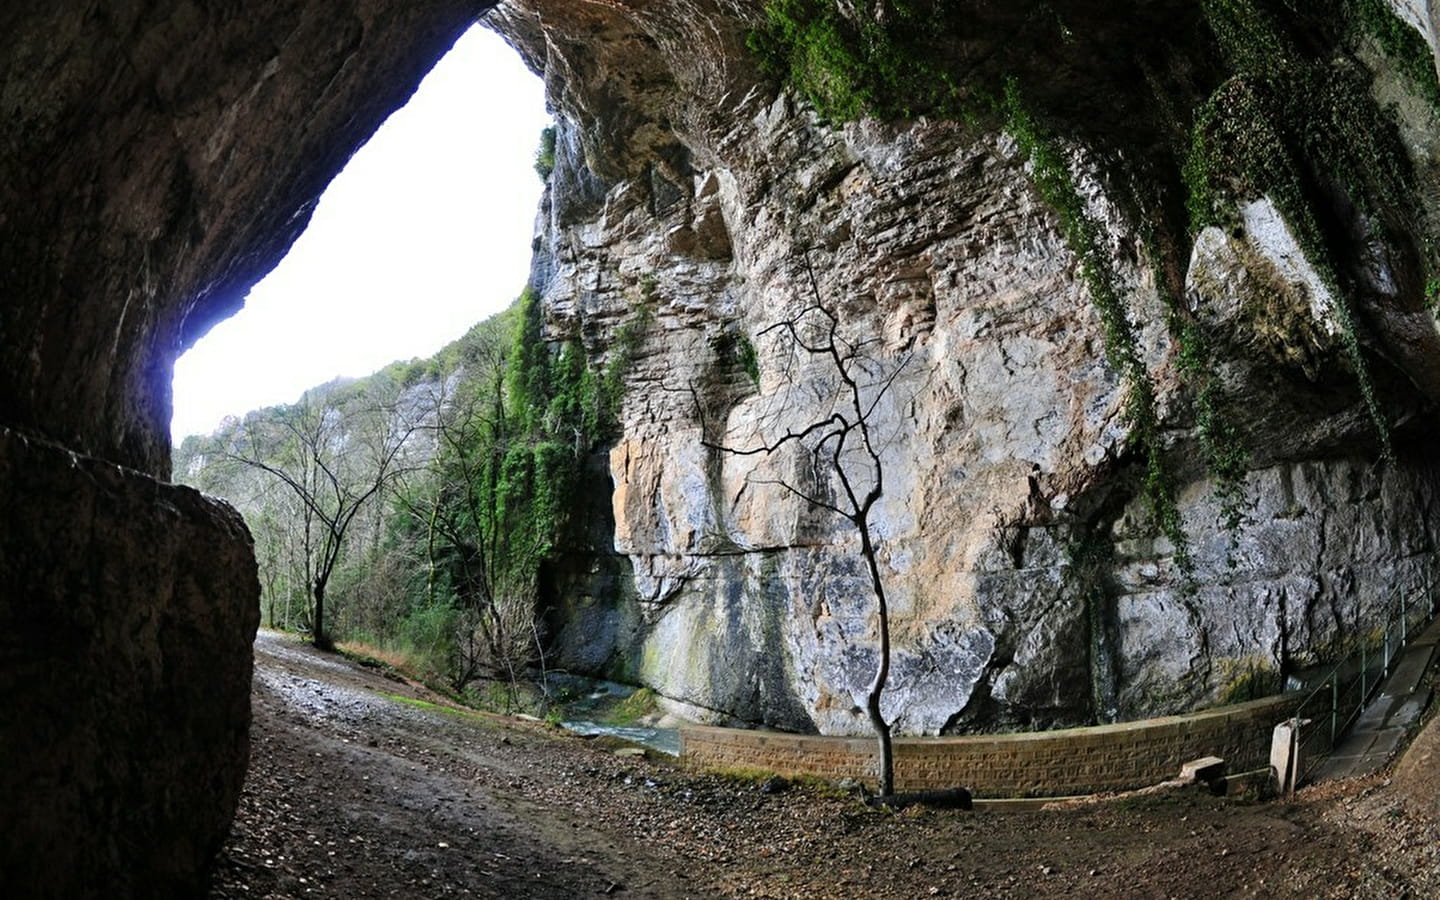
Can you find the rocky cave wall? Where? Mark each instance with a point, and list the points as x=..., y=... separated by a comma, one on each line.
x=1029, y=583
x=157, y=159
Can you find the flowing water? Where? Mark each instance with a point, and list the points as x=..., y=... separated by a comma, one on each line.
x=592, y=709
x=665, y=740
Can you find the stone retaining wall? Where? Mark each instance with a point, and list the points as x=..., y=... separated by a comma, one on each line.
x=1032, y=764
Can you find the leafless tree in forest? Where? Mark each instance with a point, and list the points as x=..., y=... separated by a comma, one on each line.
x=474, y=558
x=334, y=459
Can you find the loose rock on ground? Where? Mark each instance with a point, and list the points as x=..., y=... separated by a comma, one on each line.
x=355, y=791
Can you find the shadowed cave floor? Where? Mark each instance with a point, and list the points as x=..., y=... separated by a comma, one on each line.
x=354, y=794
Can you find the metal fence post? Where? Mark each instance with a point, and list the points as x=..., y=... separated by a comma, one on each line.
x=1334, y=706
x=1364, y=671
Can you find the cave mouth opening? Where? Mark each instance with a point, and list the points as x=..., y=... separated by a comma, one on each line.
x=426, y=231
x=164, y=155
x=307, y=410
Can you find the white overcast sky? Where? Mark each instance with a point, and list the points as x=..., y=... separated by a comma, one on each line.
x=426, y=232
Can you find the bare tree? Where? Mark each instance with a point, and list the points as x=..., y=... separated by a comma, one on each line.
x=843, y=450
x=334, y=460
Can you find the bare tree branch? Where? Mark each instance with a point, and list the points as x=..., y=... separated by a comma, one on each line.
x=331, y=484
x=840, y=446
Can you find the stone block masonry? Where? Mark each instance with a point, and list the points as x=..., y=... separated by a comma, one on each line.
x=1032, y=764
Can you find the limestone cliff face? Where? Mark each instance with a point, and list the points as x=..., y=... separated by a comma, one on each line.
x=1029, y=582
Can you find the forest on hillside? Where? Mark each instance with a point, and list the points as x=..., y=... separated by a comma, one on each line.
x=412, y=511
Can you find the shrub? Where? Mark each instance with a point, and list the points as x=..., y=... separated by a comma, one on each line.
x=545, y=153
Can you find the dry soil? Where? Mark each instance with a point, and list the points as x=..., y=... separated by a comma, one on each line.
x=354, y=790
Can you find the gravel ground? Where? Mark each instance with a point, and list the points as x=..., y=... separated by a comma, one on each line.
x=355, y=792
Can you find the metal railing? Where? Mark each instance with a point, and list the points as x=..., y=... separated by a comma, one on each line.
x=1333, y=705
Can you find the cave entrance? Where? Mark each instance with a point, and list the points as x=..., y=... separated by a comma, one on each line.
x=316, y=409
x=426, y=231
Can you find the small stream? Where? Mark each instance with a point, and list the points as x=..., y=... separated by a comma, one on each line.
x=665, y=740
x=595, y=702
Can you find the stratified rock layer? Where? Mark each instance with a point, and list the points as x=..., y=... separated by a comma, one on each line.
x=1029, y=583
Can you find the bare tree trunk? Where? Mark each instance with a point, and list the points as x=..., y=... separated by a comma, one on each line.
x=882, y=666
x=863, y=382
x=319, y=637
x=431, y=572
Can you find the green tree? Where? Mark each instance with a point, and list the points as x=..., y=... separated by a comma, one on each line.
x=512, y=436
x=545, y=153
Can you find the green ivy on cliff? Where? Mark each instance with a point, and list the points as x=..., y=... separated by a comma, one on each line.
x=1085, y=238
x=508, y=482
x=1274, y=107
x=848, y=69
x=561, y=407
x=1401, y=42
x=1290, y=128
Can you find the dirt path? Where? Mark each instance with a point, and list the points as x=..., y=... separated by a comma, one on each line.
x=353, y=793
